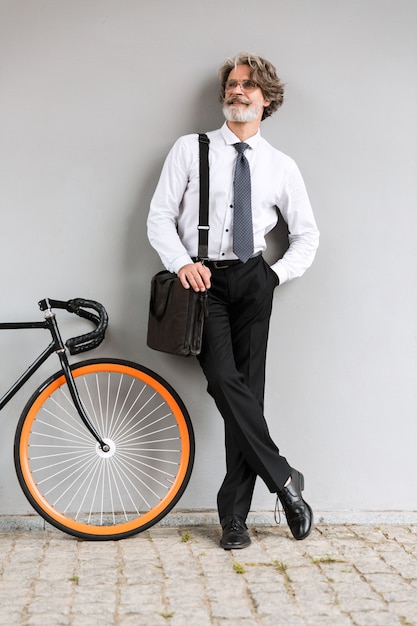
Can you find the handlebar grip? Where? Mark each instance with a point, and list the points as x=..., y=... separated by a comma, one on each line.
x=87, y=341
x=90, y=340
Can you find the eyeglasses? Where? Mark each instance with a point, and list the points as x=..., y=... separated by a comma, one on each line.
x=245, y=85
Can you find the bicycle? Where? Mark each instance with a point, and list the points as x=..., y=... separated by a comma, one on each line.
x=104, y=448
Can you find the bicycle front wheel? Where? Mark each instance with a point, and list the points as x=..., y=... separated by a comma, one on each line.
x=82, y=490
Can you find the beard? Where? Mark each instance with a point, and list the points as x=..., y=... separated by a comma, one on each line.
x=234, y=113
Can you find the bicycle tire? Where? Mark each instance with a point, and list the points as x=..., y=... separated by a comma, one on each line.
x=88, y=493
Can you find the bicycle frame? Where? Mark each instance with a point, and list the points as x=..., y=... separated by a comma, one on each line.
x=58, y=347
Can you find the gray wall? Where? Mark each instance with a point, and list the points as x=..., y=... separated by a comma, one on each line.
x=93, y=94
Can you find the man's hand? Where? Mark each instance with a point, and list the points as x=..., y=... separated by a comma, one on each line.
x=195, y=275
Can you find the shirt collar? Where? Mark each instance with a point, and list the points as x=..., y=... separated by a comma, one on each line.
x=230, y=138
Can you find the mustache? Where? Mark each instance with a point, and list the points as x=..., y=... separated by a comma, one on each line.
x=237, y=99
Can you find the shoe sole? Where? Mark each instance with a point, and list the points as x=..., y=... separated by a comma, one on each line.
x=239, y=546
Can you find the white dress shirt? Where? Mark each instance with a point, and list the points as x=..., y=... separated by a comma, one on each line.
x=276, y=182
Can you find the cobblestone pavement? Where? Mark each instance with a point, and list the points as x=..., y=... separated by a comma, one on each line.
x=342, y=575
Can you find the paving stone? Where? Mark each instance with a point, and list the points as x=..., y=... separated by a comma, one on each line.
x=342, y=575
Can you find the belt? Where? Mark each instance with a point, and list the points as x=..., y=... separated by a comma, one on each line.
x=222, y=265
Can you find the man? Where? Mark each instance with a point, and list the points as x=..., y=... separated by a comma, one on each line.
x=240, y=283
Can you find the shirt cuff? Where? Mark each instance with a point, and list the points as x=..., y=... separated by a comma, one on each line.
x=180, y=262
x=280, y=271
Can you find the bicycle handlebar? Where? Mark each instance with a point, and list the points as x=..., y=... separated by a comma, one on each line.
x=87, y=341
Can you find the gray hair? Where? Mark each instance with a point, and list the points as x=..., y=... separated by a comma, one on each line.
x=262, y=72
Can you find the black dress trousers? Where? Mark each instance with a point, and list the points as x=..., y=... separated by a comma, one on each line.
x=233, y=360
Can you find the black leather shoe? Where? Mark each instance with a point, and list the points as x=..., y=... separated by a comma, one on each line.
x=235, y=533
x=298, y=513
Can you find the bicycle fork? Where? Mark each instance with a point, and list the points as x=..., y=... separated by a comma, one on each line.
x=61, y=352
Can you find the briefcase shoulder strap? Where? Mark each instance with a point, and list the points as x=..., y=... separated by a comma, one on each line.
x=203, y=221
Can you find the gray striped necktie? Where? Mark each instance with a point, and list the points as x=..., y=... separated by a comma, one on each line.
x=242, y=214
